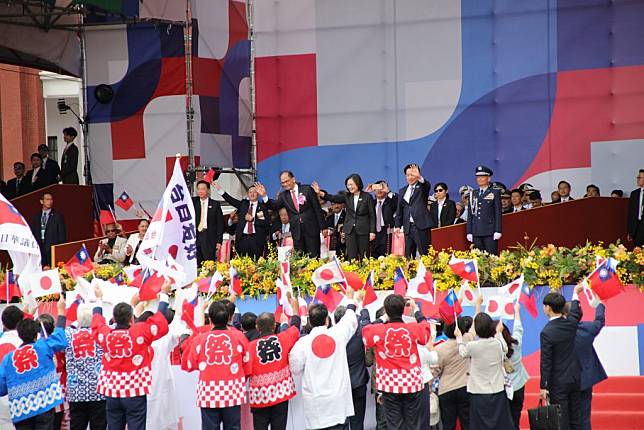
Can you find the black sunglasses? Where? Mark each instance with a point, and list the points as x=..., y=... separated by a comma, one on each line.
x=110, y=231
x=438, y=190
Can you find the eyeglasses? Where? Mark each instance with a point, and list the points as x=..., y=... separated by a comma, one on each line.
x=110, y=231
x=439, y=190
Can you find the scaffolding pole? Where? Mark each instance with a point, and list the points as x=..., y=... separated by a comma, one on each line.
x=187, y=32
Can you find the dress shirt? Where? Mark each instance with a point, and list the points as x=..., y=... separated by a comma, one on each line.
x=409, y=192
x=381, y=202
x=639, y=216
x=517, y=209
x=253, y=207
x=565, y=199
x=440, y=204
x=336, y=219
x=356, y=197
x=34, y=175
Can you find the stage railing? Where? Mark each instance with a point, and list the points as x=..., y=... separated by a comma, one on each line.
x=569, y=224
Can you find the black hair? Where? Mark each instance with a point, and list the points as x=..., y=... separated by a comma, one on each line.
x=394, y=306
x=484, y=325
x=144, y=316
x=516, y=190
x=380, y=312
x=619, y=193
x=218, y=314
x=248, y=321
x=443, y=185
x=509, y=340
x=318, y=314
x=592, y=186
x=37, y=155
x=288, y=172
x=464, y=325
x=206, y=183
x=47, y=193
x=535, y=195
x=11, y=316
x=556, y=302
x=409, y=166
x=563, y=182
x=230, y=307
x=356, y=179
x=123, y=313
x=265, y=323
x=169, y=315
x=380, y=181
x=48, y=323
x=28, y=330
x=19, y=163
x=143, y=220
x=70, y=131
x=339, y=313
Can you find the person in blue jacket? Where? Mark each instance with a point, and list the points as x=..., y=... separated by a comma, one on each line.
x=592, y=371
x=28, y=375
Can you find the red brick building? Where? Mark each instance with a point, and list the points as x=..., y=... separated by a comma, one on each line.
x=22, y=116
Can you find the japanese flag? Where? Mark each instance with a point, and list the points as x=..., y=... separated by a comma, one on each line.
x=494, y=306
x=466, y=295
x=507, y=309
x=42, y=283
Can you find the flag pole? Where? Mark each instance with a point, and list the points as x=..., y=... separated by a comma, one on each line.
x=6, y=282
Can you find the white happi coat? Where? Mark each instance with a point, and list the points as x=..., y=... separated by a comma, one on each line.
x=326, y=386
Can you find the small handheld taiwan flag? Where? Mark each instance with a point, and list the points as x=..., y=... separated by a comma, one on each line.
x=400, y=282
x=124, y=201
x=9, y=288
x=604, y=280
x=450, y=308
x=235, y=282
x=79, y=264
x=528, y=300
x=466, y=269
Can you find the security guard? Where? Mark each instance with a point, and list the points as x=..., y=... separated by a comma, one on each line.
x=484, y=218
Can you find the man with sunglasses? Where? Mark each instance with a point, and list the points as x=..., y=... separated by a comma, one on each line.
x=112, y=248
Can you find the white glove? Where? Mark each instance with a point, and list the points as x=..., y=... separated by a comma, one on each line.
x=497, y=236
x=469, y=238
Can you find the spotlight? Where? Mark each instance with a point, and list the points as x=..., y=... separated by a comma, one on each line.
x=103, y=93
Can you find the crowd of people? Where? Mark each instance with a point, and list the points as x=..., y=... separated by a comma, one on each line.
x=425, y=373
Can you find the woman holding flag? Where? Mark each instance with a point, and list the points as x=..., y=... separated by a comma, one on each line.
x=516, y=370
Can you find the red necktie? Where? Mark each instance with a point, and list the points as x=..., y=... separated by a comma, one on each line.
x=249, y=224
x=294, y=198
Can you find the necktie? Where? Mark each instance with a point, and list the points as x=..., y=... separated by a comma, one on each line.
x=249, y=224
x=379, y=216
x=18, y=185
x=295, y=203
x=202, y=221
x=481, y=192
x=641, y=203
x=43, y=225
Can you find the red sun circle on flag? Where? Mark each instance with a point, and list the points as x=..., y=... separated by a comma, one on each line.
x=327, y=274
x=173, y=250
x=323, y=346
x=492, y=306
x=45, y=283
x=423, y=288
x=468, y=295
x=509, y=308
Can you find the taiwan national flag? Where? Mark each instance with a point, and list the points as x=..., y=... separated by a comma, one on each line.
x=450, y=308
x=79, y=264
x=124, y=201
x=149, y=284
x=528, y=300
x=117, y=279
x=190, y=299
x=9, y=288
x=9, y=214
x=369, y=292
x=72, y=309
x=327, y=295
x=466, y=269
x=235, y=282
x=400, y=282
x=422, y=285
x=604, y=280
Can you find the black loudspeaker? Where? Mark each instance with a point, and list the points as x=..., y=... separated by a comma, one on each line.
x=103, y=93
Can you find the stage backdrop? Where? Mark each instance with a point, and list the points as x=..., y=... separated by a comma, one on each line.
x=537, y=90
x=133, y=137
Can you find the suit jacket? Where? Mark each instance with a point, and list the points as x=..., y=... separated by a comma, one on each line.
x=484, y=217
x=40, y=182
x=389, y=206
x=16, y=190
x=360, y=219
x=3, y=188
x=356, y=354
x=214, y=218
x=559, y=363
x=50, y=171
x=592, y=371
x=336, y=239
x=633, y=212
x=308, y=221
x=261, y=222
x=448, y=213
x=416, y=207
x=69, y=165
x=54, y=233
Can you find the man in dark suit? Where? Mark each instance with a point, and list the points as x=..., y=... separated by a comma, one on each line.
x=48, y=227
x=281, y=228
x=305, y=214
x=592, y=371
x=50, y=168
x=36, y=178
x=412, y=213
x=210, y=223
x=253, y=225
x=17, y=186
x=385, y=203
x=335, y=222
x=69, y=159
x=560, y=370
x=357, y=368
x=443, y=210
x=636, y=212
x=484, y=218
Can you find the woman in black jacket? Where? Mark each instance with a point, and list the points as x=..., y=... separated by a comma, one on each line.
x=442, y=205
x=360, y=218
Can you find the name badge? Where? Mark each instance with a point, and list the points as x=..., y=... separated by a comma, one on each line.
x=489, y=197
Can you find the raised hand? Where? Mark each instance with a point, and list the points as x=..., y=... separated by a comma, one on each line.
x=315, y=187
x=261, y=190
x=61, y=306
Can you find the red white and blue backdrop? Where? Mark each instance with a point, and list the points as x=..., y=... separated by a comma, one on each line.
x=539, y=91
